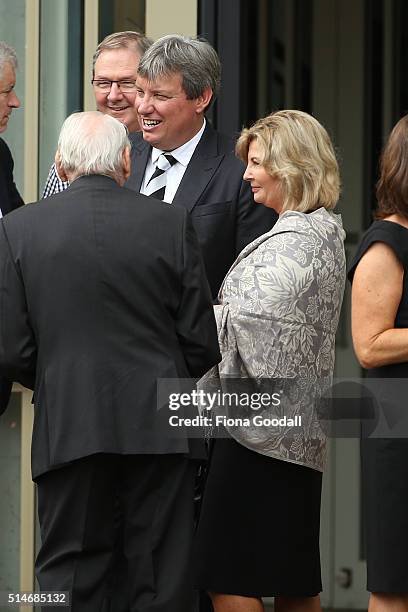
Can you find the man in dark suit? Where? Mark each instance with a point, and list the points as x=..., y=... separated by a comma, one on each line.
x=9, y=196
x=103, y=292
x=178, y=78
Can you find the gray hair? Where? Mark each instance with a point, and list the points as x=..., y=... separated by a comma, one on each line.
x=193, y=58
x=133, y=40
x=7, y=56
x=92, y=143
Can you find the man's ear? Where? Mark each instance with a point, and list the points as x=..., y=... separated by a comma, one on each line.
x=60, y=170
x=126, y=163
x=204, y=100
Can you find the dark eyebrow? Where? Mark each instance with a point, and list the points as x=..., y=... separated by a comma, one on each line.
x=157, y=90
x=125, y=78
x=161, y=91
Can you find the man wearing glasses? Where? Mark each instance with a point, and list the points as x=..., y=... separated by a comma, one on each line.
x=9, y=196
x=114, y=71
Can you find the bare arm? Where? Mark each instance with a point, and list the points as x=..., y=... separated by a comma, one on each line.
x=376, y=295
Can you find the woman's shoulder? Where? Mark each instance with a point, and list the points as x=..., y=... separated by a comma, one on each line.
x=320, y=220
x=389, y=232
x=313, y=233
x=390, y=226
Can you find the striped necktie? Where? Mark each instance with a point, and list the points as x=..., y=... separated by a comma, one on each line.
x=157, y=183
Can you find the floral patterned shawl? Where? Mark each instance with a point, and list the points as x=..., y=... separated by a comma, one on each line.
x=278, y=314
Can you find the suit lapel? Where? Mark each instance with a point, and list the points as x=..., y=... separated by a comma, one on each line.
x=200, y=170
x=4, y=203
x=139, y=156
x=4, y=195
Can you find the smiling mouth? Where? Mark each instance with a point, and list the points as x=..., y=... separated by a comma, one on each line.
x=151, y=122
x=118, y=108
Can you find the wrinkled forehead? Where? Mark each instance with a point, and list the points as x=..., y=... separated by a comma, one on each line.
x=165, y=80
x=7, y=74
x=122, y=59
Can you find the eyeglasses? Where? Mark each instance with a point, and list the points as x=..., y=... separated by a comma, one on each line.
x=125, y=86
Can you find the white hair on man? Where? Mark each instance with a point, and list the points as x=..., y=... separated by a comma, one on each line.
x=93, y=143
x=7, y=56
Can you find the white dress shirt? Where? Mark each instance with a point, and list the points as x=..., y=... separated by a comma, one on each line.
x=174, y=174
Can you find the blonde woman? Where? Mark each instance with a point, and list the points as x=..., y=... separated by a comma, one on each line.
x=279, y=307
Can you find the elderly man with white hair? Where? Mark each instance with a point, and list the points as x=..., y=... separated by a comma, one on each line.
x=9, y=196
x=103, y=292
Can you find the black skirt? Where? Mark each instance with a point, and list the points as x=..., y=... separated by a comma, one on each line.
x=258, y=534
x=385, y=513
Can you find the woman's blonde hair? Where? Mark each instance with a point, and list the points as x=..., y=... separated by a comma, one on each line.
x=298, y=151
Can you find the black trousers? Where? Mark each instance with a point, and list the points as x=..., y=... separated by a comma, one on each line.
x=5, y=392
x=77, y=507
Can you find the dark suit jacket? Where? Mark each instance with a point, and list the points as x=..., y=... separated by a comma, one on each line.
x=224, y=214
x=9, y=200
x=106, y=293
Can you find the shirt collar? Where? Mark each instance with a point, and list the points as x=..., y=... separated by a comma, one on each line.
x=184, y=153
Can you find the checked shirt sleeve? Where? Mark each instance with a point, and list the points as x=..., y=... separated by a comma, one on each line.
x=54, y=184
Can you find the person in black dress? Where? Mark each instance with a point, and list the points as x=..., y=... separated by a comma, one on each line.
x=380, y=336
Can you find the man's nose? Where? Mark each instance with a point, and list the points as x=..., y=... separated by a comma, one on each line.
x=144, y=105
x=115, y=93
x=13, y=101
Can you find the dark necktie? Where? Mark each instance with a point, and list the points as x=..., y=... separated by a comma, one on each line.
x=156, y=186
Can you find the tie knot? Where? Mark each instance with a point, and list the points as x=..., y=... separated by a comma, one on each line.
x=172, y=160
x=166, y=161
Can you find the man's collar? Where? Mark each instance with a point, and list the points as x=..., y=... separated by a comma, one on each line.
x=183, y=153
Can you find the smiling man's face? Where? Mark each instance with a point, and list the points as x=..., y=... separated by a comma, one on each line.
x=168, y=118
x=118, y=65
